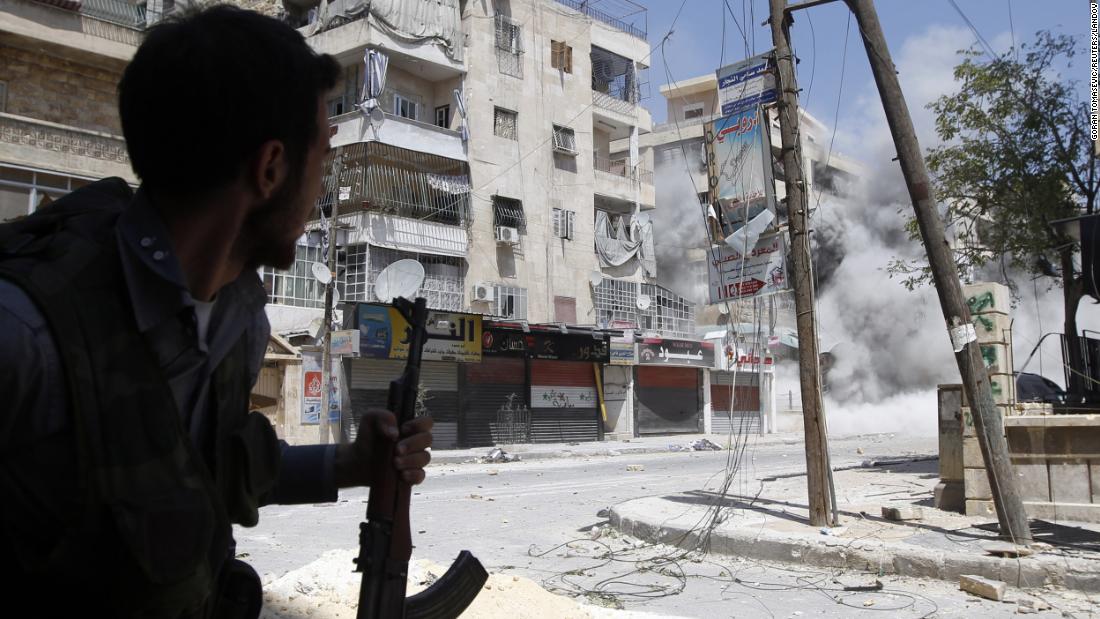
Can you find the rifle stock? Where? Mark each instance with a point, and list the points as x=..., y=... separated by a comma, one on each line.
x=385, y=539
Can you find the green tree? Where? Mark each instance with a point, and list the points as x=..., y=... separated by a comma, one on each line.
x=1017, y=154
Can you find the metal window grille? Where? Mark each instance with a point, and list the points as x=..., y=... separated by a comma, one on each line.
x=563, y=221
x=296, y=286
x=510, y=302
x=444, y=277
x=504, y=123
x=668, y=314
x=565, y=140
x=402, y=182
x=509, y=212
x=509, y=46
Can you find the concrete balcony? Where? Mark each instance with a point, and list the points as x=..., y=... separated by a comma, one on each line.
x=110, y=28
x=616, y=179
x=347, y=41
x=401, y=132
x=40, y=144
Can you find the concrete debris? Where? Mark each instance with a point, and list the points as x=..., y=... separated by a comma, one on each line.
x=1031, y=605
x=497, y=454
x=984, y=587
x=635, y=467
x=899, y=514
x=696, y=445
x=1007, y=549
x=705, y=445
x=494, y=472
x=604, y=513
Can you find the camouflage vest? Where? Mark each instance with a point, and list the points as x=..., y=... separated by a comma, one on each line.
x=156, y=522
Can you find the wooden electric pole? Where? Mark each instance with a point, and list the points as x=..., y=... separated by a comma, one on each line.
x=818, y=475
x=326, y=356
x=987, y=419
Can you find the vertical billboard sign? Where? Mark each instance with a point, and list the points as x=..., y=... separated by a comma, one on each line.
x=739, y=168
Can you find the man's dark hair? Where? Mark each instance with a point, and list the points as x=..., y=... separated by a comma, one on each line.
x=207, y=88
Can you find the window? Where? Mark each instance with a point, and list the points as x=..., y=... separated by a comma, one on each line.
x=406, y=106
x=561, y=56
x=565, y=310
x=693, y=110
x=510, y=302
x=443, y=116
x=444, y=277
x=504, y=123
x=509, y=212
x=297, y=286
x=509, y=46
x=3, y=96
x=563, y=223
x=565, y=140
x=348, y=91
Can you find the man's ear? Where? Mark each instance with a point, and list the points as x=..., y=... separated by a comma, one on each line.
x=269, y=167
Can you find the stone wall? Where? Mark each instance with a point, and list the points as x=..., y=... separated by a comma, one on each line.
x=53, y=88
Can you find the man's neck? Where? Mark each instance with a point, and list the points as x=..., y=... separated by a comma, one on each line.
x=204, y=236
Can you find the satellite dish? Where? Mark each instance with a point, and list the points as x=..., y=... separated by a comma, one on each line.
x=723, y=309
x=595, y=278
x=335, y=297
x=321, y=273
x=376, y=116
x=401, y=279
x=643, y=302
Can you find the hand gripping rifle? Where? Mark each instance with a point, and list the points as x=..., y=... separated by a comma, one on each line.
x=385, y=540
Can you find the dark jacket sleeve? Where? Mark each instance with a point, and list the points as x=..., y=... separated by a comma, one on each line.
x=306, y=475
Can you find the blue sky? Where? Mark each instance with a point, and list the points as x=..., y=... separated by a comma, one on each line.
x=923, y=35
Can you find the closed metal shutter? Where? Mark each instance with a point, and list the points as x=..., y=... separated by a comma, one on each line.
x=564, y=403
x=369, y=386
x=745, y=415
x=668, y=400
x=489, y=386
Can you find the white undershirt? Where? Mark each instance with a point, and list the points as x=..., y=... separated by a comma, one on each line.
x=203, y=311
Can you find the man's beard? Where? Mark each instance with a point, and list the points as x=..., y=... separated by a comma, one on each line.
x=266, y=229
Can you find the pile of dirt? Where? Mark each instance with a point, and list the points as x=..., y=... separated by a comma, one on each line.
x=329, y=589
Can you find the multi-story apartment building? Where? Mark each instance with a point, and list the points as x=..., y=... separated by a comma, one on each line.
x=506, y=149
x=51, y=139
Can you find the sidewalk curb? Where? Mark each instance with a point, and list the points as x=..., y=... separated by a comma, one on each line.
x=443, y=457
x=869, y=556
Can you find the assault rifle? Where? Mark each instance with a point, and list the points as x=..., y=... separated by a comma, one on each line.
x=385, y=540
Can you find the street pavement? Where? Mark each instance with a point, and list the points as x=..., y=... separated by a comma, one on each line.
x=546, y=517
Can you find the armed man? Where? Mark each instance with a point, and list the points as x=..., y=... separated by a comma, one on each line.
x=132, y=329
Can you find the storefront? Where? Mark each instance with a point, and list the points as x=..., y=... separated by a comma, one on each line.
x=669, y=385
x=454, y=340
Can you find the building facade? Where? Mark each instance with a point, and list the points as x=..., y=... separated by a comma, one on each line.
x=52, y=141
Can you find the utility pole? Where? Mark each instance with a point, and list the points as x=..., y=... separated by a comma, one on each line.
x=987, y=419
x=818, y=475
x=326, y=357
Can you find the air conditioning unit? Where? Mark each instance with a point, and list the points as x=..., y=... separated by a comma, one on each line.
x=483, y=292
x=505, y=234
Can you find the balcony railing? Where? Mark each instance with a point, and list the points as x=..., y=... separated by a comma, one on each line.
x=620, y=166
x=116, y=12
x=610, y=102
x=584, y=6
x=20, y=130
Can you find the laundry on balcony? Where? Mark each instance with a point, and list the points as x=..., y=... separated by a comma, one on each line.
x=616, y=243
x=409, y=21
